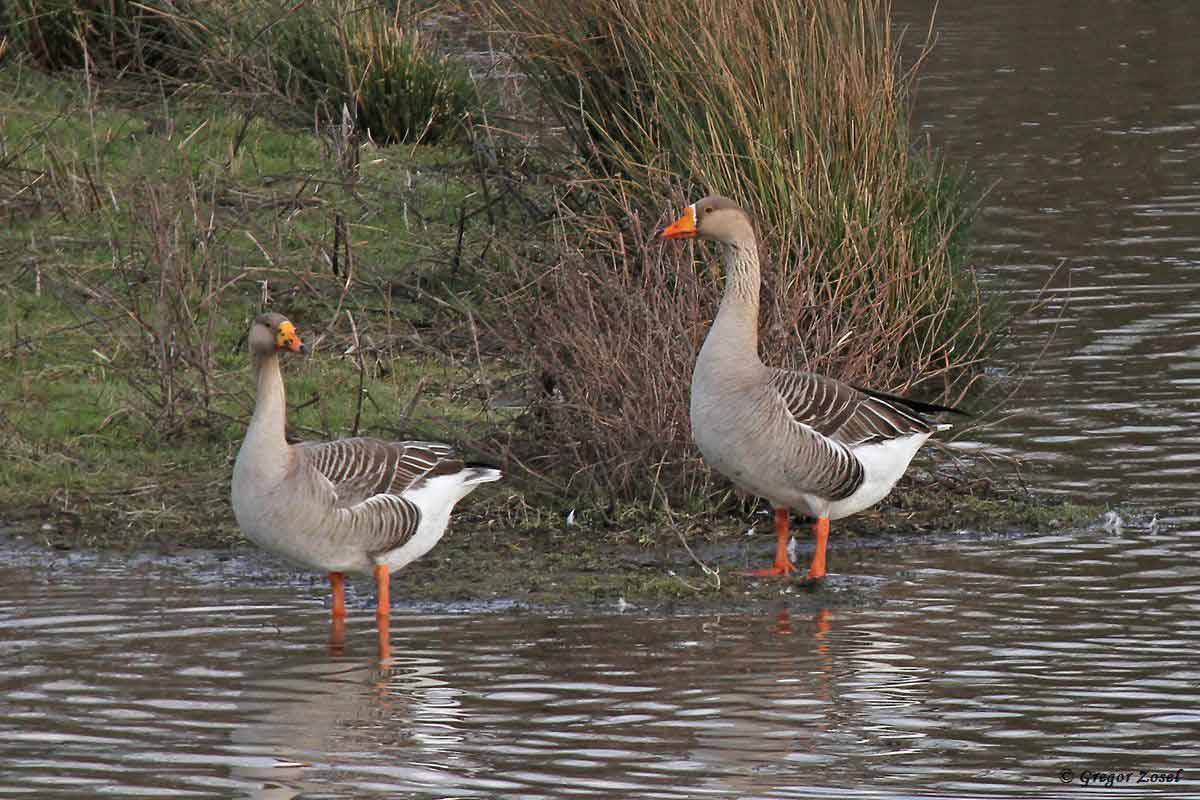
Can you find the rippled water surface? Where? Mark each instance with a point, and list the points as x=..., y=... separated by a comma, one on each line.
x=1084, y=119
x=960, y=668
x=974, y=668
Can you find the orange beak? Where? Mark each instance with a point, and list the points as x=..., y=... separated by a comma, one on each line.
x=682, y=228
x=288, y=339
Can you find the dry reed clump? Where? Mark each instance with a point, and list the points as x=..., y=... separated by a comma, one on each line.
x=612, y=327
x=375, y=62
x=115, y=37
x=799, y=111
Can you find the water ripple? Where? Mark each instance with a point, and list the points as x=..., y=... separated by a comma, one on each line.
x=984, y=667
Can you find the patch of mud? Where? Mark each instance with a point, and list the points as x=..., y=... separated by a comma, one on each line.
x=465, y=574
x=478, y=569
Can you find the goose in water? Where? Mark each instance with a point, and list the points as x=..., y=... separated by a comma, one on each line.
x=802, y=441
x=350, y=505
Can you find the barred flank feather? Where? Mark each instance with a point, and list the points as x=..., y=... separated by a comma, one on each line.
x=844, y=413
x=370, y=479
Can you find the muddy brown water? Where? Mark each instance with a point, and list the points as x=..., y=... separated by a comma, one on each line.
x=975, y=667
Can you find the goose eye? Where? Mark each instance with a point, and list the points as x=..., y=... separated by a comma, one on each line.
x=708, y=210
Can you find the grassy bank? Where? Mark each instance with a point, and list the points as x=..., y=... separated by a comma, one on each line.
x=141, y=234
x=461, y=282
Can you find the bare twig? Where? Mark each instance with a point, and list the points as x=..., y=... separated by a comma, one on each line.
x=362, y=374
x=412, y=401
x=705, y=568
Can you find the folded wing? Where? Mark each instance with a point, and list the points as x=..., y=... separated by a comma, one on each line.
x=368, y=478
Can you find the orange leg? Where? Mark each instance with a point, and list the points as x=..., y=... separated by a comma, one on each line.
x=383, y=614
x=383, y=590
x=384, y=624
x=337, y=637
x=821, y=529
x=824, y=623
x=783, y=565
x=337, y=582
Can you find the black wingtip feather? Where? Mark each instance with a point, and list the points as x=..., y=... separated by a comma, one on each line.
x=915, y=405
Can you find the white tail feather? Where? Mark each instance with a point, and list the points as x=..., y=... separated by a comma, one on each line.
x=473, y=475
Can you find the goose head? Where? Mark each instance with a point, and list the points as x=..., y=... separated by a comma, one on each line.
x=715, y=218
x=271, y=332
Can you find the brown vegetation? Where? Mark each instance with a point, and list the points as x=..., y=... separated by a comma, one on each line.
x=798, y=111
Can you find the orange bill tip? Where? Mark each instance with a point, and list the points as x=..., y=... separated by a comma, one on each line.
x=288, y=339
x=682, y=228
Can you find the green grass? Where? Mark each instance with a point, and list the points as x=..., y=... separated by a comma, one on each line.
x=142, y=233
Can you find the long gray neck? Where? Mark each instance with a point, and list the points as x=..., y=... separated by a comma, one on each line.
x=733, y=339
x=268, y=425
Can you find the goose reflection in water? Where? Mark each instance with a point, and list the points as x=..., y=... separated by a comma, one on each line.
x=313, y=716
